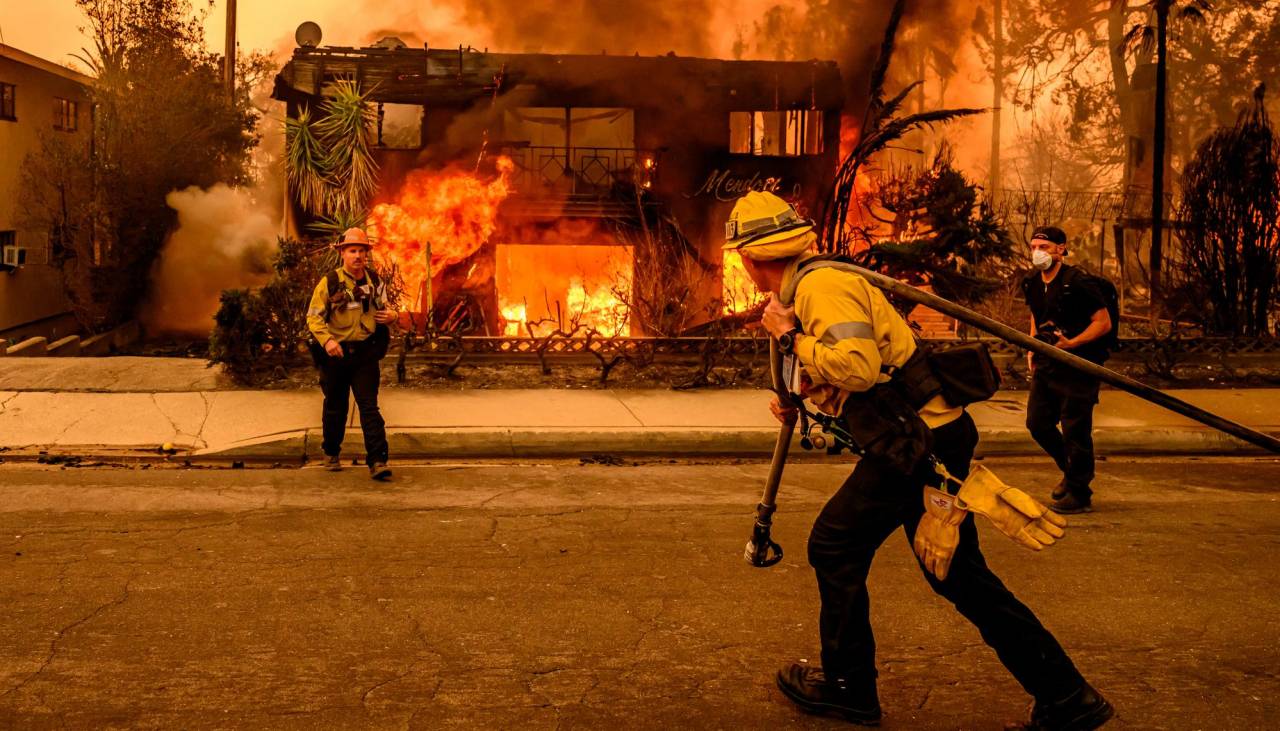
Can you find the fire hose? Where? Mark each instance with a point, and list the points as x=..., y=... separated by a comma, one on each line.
x=763, y=552
x=1106, y=375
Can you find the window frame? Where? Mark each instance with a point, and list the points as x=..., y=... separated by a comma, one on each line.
x=12, y=115
x=66, y=114
x=790, y=144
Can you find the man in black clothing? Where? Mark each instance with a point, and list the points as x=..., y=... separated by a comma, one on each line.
x=1067, y=311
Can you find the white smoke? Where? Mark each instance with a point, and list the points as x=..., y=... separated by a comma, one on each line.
x=225, y=239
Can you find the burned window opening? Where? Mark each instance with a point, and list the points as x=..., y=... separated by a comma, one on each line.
x=781, y=133
x=400, y=126
x=543, y=287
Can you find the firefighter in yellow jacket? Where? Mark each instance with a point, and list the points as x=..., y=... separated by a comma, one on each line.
x=348, y=319
x=847, y=339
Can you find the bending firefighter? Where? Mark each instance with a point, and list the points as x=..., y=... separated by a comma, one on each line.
x=348, y=319
x=855, y=358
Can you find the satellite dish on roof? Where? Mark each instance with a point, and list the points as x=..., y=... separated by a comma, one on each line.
x=308, y=35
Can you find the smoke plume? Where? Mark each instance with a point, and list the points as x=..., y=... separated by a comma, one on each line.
x=689, y=28
x=225, y=239
x=589, y=26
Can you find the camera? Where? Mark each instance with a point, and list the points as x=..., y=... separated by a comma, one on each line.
x=1048, y=333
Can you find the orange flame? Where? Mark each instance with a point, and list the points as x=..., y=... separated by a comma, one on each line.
x=515, y=316
x=848, y=136
x=542, y=287
x=599, y=308
x=453, y=211
x=738, y=292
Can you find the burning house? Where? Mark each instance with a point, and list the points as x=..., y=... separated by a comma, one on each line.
x=517, y=191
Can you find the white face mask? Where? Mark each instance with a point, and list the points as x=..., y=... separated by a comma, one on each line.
x=1042, y=260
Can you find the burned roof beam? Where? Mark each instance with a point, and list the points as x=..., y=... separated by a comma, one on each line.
x=449, y=77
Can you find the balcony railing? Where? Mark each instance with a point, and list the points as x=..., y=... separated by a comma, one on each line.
x=579, y=171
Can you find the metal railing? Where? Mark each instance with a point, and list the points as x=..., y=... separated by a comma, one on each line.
x=1058, y=205
x=1208, y=350
x=583, y=171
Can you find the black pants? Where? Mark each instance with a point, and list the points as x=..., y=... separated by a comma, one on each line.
x=871, y=504
x=1067, y=399
x=354, y=373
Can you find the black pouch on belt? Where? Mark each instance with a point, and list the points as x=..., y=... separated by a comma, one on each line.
x=966, y=373
x=318, y=356
x=915, y=379
x=886, y=427
x=380, y=341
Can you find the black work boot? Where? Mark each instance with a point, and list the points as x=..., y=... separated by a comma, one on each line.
x=1059, y=490
x=810, y=689
x=1072, y=505
x=1083, y=710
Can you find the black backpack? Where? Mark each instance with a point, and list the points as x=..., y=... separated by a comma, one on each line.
x=1110, y=298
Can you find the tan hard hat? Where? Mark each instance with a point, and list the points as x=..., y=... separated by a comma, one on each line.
x=764, y=226
x=354, y=236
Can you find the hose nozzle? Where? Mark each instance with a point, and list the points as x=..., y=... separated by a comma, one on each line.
x=761, y=551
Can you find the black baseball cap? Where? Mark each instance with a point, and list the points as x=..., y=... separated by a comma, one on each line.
x=1051, y=233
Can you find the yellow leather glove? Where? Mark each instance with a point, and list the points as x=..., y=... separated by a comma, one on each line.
x=939, y=531
x=1015, y=513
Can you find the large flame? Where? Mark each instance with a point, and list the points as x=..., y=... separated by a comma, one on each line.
x=452, y=211
x=543, y=287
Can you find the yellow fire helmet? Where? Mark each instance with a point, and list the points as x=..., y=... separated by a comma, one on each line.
x=764, y=226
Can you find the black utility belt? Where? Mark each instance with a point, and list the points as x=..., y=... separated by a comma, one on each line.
x=884, y=421
x=374, y=346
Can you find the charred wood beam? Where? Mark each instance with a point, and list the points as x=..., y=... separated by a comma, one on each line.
x=728, y=323
x=585, y=79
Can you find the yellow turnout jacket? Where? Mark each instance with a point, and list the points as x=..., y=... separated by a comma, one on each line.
x=849, y=331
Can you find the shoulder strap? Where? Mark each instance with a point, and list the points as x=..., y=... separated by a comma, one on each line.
x=842, y=263
x=825, y=261
x=1073, y=274
x=1029, y=280
x=332, y=283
